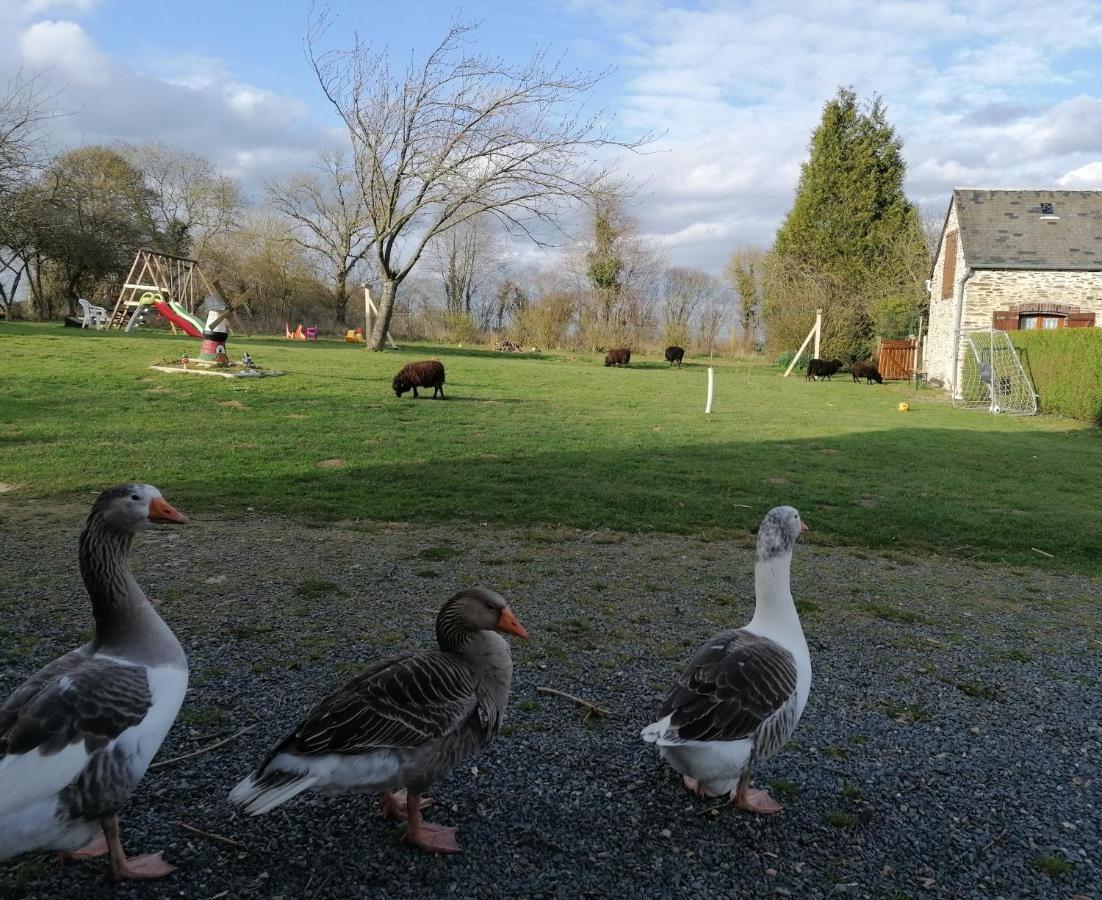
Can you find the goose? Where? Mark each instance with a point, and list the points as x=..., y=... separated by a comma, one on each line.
x=401, y=724
x=77, y=736
x=743, y=692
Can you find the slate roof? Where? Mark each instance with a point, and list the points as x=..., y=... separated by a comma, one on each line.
x=1004, y=229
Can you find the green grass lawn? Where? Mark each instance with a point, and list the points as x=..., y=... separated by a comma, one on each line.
x=534, y=440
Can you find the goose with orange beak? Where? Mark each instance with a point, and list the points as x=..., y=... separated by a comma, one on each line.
x=740, y=697
x=402, y=724
x=77, y=736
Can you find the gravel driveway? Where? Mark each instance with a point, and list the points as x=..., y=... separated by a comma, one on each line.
x=950, y=747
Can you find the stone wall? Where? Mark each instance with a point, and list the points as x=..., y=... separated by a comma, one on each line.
x=938, y=346
x=991, y=290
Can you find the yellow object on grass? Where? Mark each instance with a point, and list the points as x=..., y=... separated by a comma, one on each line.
x=353, y=337
x=903, y=407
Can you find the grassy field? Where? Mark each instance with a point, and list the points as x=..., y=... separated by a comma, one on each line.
x=554, y=439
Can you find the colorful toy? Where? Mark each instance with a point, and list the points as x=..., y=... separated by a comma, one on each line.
x=903, y=407
x=354, y=336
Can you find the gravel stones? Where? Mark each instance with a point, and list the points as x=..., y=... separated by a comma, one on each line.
x=950, y=746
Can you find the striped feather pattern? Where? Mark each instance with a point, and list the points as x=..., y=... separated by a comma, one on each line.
x=405, y=701
x=735, y=685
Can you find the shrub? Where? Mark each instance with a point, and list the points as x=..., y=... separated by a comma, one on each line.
x=783, y=359
x=1065, y=366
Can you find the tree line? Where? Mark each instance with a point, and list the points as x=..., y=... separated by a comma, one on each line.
x=446, y=164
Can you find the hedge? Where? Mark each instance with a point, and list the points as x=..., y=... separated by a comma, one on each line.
x=1065, y=365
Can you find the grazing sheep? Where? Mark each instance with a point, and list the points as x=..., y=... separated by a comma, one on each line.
x=675, y=354
x=822, y=367
x=428, y=373
x=618, y=356
x=867, y=370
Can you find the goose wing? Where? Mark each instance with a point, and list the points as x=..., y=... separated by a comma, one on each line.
x=53, y=723
x=736, y=683
x=405, y=701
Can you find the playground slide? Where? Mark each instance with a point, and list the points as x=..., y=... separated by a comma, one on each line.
x=179, y=317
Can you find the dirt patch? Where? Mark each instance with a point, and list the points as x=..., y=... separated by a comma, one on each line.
x=334, y=463
x=231, y=404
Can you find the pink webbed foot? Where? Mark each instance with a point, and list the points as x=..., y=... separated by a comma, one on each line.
x=151, y=865
x=419, y=833
x=395, y=805
x=755, y=801
x=432, y=838
x=693, y=785
x=95, y=847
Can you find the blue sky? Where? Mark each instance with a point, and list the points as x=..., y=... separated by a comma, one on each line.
x=986, y=94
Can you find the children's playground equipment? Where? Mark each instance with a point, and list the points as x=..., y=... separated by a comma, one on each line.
x=354, y=336
x=300, y=334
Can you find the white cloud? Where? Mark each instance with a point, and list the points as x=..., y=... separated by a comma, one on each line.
x=66, y=48
x=1088, y=177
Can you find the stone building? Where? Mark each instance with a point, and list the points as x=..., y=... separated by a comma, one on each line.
x=1012, y=260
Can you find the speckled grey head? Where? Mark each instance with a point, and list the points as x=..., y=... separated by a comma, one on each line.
x=778, y=532
x=133, y=507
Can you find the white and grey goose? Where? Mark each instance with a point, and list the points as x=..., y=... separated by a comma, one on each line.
x=401, y=724
x=741, y=695
x=77, y=736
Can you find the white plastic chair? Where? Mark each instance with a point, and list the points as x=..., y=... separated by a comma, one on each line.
x=93, y=315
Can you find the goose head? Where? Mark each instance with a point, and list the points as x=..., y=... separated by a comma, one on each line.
x=134, y=507
x=479, y=609
x=778, y=533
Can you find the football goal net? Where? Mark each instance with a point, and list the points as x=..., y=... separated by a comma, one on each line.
x=992, y=376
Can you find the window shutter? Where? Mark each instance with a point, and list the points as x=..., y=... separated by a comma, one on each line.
x=1081, y=320
x=1004, y=320
x=949, y=265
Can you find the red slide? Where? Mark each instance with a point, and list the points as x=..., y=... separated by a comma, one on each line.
x=187, y=325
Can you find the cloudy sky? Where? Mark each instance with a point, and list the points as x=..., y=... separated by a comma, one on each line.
x=984, y=94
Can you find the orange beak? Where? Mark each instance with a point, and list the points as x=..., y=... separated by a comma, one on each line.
x=507, y=622
x=803, y=527
x=160, y=510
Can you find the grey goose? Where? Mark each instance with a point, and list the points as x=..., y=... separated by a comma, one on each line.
x=77, y=736
x=401, y=724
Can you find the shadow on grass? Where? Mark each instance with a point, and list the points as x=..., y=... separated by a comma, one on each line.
x=907, y=489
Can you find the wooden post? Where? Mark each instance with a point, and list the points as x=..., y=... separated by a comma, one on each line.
x=368, y=307
x=799, y=353
x=711, y=390
x=918, y=364
x=818, y=331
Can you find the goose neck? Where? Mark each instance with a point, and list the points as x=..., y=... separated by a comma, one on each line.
x=773, y=591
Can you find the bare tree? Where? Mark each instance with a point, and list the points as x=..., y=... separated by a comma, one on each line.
x=461, y=255
x=191, y=200
x=456, y=136
x=745, y=273
x=684, y=292
x=25, y=106
x=330, y=217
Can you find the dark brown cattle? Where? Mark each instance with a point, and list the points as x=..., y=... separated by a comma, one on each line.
x=618, y=356
x=675, y=354
x=428, y=373
x=866, y=370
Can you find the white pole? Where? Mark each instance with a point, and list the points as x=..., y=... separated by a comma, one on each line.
x=711, y=390
x=367, y=316
x=818, y=331
x=800, y=352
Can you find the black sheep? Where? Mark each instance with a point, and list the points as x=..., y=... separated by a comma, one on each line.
x=675, y=354
x=866, y=370
x=428, y=373
x=822, y=368
x=618, y=356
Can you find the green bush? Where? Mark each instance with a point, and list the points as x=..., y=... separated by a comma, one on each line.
x=783, y=359
x=1065, y=366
